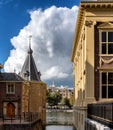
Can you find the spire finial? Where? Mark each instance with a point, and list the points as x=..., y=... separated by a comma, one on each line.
x=30, y=50
x=30, y=36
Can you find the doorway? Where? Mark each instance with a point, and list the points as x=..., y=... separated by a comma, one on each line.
x=10, y=110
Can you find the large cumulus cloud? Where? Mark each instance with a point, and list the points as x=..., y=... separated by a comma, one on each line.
x=52, y=33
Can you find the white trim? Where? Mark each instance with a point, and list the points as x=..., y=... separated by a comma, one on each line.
x=9, y=92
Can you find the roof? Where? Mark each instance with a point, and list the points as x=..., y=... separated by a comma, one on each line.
x=10, y=77
x=29, y=69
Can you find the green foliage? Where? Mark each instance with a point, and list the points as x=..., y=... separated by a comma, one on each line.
x=67, y=102
x=53, y=99
x=57, y=97
x=71, y=100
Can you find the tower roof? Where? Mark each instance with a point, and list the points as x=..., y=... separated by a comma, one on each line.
x=29, y=70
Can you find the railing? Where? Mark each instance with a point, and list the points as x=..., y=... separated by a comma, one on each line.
x=101, y=112
x=25, y=118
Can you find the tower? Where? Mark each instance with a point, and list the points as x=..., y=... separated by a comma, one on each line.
x=37, y=89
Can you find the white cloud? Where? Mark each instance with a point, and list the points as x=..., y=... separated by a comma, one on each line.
x=52, y=33
x=54, y=72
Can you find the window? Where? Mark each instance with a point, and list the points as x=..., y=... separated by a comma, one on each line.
x=10, y=89
x=106, y=40
x=107, y=84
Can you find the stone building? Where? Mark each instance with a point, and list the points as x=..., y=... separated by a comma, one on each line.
x=65, y=91
x=92, y=57
x=23, y=93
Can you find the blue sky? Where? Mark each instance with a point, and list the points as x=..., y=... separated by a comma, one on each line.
x=17, y=16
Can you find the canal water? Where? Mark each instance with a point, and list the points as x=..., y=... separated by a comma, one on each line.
x=55, y=120
x=59, y=120
x=59, y=127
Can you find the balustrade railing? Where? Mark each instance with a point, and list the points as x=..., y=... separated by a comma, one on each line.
x=101, y=112
x=24, y=118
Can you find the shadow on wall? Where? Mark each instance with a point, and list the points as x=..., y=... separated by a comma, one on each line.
x=90, y=77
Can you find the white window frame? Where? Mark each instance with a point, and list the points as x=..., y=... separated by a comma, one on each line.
x=107, y=84
x=100, y=42
x=9, y=90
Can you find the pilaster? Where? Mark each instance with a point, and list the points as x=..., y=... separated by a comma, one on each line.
x=89, y=72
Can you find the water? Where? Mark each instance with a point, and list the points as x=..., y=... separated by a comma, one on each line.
x=57, y=120
x=58, y=117
x=59, y=127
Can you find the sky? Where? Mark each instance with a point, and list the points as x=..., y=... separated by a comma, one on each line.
x=51, y=23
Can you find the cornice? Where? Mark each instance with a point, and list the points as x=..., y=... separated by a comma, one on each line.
x=79, y=22
x=97, y=4
x=12, y=81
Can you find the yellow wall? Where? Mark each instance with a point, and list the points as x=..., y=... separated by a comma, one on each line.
x=83, y=55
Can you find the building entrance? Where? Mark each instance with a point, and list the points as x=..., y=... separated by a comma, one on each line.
x=10, y=110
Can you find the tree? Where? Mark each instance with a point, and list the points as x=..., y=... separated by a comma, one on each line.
x=50, y=100
x=53, y=99
x=67, y=102
x=71, y=100
x=57, y=98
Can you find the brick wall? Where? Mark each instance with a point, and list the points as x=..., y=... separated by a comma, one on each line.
x=37, y=100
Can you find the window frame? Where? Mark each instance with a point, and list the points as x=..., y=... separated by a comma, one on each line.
x=9, y=90
x=106, y=43
x=107, y=85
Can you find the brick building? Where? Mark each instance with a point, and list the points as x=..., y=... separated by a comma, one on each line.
x=23, y=93
x=13, y=95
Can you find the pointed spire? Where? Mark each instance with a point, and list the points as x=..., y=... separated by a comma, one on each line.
x=29, y=70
